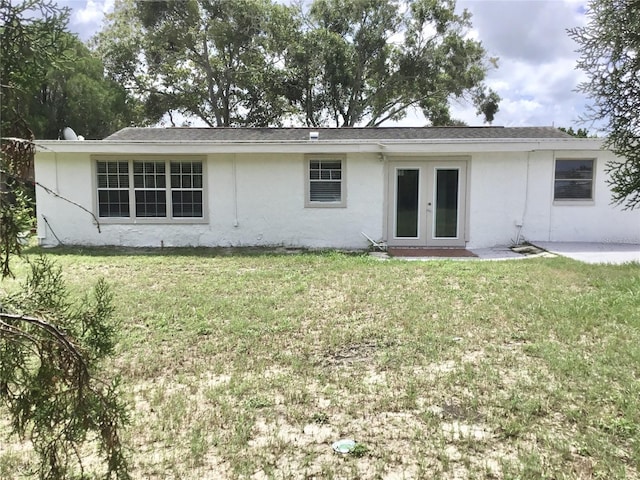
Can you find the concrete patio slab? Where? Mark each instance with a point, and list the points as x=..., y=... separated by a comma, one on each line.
x=615, y=253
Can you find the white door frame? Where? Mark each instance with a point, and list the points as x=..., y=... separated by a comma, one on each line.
x=421, y=230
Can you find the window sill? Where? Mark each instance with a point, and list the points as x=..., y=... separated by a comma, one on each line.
x=574, y=203
x=325, y=205
x=151, y=221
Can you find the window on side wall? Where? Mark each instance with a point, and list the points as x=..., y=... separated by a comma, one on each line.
x=573, y=180
x=325, y=181
x=157, y=189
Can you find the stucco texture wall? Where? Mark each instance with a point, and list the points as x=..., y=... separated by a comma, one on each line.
x=250, y=199
x=511, y=199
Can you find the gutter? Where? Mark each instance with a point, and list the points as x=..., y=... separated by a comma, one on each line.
x=460, y=145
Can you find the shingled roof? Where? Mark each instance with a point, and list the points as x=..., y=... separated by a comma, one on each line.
x=189, y=134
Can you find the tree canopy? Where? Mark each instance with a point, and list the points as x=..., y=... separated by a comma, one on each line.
x=50, y=79
x=260, y=63
x=215, y=60
x=609, y=47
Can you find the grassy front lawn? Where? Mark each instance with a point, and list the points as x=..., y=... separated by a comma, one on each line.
x=251, y=365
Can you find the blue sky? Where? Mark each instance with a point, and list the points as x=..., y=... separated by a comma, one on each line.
x=536, y=77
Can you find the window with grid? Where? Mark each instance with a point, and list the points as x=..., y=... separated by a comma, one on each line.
x=113, y=189
x=150, y=189
x=186, y=189
x=325, y=181
x=573, y=180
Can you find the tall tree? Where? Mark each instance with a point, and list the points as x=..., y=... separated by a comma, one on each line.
x=217, y=60
x=370, y=61
x=259, y=63
x=609, y=47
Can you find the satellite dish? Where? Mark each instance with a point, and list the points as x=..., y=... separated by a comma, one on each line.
x=69, y=134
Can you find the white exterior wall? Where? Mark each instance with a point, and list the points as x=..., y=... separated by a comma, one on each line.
x=264, y=206
x=512, y=189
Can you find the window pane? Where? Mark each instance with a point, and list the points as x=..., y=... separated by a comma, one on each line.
x=574, y=169
x=407, y=203
x=573, y=189
x=102, y=167
x=331, y=165
x=151, y=203
x=446, y=221
x=112, y=181
x=325, y=191
x=187, y=203
x=113, y=203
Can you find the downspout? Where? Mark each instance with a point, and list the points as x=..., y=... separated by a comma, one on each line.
x=55, y=166
x=386, y=193
x=42, y=230
x=234, y=184
x=520, y=221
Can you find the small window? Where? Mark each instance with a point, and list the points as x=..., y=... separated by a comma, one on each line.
x=325, y=182
x=574, y=180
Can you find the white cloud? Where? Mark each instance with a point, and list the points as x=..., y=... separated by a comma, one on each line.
x=89, y=14
x=536, y=77
x=86, y=19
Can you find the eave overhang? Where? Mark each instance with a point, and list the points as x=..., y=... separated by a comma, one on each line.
x=424, y=146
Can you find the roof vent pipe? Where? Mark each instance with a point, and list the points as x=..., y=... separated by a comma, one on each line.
x=314, y=135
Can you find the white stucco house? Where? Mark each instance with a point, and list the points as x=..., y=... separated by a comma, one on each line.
x=467, y=187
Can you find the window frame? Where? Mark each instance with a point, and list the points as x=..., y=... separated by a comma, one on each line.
x=167, y=160
x=308, y=203
x=574, y=201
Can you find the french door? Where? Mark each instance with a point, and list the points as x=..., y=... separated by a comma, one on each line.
x=427, y=203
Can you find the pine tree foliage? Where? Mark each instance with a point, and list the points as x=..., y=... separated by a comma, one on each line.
x=51, y=348
x=609, y=47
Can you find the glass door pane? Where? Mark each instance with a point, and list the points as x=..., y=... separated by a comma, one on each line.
x=446, y=211
x=407, y=195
